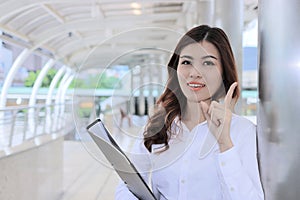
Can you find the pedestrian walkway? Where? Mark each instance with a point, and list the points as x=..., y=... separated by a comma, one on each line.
x=84, y=176
x=87, y=175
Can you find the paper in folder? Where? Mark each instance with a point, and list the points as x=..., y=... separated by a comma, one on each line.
x=120, y=162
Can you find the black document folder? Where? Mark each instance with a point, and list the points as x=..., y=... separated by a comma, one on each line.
x=120, y=162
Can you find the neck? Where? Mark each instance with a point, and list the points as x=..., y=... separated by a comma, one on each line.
x=193, y=114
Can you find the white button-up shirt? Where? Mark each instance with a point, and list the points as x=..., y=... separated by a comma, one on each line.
x=193, y=167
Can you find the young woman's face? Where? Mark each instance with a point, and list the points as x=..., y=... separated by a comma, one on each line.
x=199, y=71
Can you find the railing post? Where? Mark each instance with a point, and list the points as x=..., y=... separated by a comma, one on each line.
x=29, y=128
x=25, y=126
x=36, y=119
x=12, y=128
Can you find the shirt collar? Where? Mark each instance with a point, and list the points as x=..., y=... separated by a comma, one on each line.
x=179, y=123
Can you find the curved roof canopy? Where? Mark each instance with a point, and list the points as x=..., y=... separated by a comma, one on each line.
x=96, y=32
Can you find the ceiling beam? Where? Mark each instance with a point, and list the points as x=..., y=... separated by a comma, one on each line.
x=14, y=33
x=53, y=12
x=92, y=24
x=14, y=6
x=96, y=11
x=14, y=41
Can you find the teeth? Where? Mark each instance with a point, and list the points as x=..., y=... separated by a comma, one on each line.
x=195, y=85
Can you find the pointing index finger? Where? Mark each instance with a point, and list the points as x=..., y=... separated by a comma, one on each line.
x=228, y=97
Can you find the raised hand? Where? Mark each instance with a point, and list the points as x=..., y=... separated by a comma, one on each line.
x=219, y=116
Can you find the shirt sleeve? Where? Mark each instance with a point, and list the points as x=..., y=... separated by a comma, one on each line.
x=239, y=168
x=140, y=157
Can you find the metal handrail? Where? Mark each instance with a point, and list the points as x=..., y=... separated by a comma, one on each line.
x=22, y=123
x=25, y=107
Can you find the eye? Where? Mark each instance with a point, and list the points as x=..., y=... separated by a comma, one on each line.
x=186, y=62
x=208, y=63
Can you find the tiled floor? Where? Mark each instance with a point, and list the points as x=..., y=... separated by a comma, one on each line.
x=84, y=177
x=87, y=175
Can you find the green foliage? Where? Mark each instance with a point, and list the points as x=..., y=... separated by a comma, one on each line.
x=92, y=81
x=84, y=112
x=48, y=78
x=29, y=81
x=105, y=82
x=77, y=83
x=32, y=76
x=109, y=82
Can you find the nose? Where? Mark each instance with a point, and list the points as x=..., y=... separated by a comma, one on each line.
x=195, y=73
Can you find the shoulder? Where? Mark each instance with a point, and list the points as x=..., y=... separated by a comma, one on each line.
x=137, y=142
x=242, y=127
x=240, y=121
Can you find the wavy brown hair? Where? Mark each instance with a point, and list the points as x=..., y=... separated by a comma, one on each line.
x=172, y=102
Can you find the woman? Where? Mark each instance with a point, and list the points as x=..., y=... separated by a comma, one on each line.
x=194, y=147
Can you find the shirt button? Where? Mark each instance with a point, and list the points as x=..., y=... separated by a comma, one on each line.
x=222, y=163
x=231, y=189
x=182, y=181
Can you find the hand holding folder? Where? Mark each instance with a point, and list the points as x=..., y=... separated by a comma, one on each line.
x=120, y=162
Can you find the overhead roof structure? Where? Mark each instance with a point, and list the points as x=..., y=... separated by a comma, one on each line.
x=73, y=30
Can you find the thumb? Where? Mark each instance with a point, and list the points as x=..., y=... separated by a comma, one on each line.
x=205, y=109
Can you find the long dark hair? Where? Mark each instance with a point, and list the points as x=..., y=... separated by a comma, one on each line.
x=172, y=102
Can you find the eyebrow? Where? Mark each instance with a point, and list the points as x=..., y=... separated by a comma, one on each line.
x=209, y=56
x=188, y=57
x=204, y=57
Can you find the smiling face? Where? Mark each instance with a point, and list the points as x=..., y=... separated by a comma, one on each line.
x=199, y=71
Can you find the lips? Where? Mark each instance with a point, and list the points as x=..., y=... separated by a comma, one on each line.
x=196, y=85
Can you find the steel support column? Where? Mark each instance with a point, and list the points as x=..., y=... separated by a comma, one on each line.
x=229, y=17
x=11, y=74
x=279, y=94
x=206, y=12
x=39, y=80
x=54, y=83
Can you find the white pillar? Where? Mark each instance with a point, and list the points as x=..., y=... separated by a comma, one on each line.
x=131, y=99
x=54, y=83
x=39, y=80
x=163, y=76
x=150, y=98
x=61, y=116
x=229, y=17
x=32, y=112
x=205, y=12
x=49, y=124
x=61, y=85
x=58, y=104
x=60, y=88
x=141, y=99
x=11, y=74
x=64, y=91
x=190, y=22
